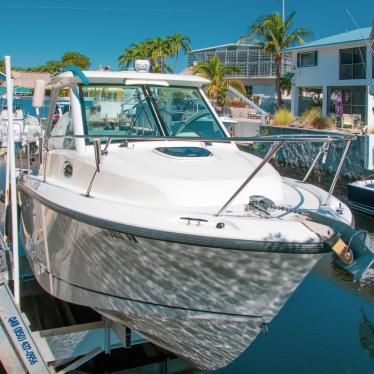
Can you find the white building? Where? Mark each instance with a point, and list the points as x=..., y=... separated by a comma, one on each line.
x=336, y=74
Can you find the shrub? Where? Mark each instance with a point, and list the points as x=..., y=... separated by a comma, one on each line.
x=314, y=118
x=282, y=117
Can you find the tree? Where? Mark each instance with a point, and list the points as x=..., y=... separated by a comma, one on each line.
x=158, y=51
x=77, y=59
x=2, y=64
x=51, y=67
x=274, y=35
x=286, y=82
x=179, y=42
x=213, y=70
x=155, y=50
x=134, y=52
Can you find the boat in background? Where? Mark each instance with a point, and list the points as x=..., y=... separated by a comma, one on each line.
x=361, y=195
x=26, y=128
x=145, y=210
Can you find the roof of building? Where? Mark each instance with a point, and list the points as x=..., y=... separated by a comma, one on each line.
x=187, y=71
x=27, y=79
x=346, y=37
x=224, y=46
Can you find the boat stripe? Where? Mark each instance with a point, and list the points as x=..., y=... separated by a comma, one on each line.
x=152, y=303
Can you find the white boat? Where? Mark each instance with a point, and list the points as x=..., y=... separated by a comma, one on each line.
x=26, y=129
x=361, y=195
x=127, y=215
x=229, y=123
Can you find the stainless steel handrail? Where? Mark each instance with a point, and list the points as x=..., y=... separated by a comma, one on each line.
x=333, y=184
x=103, y=153
x=254, y=139
x=267, y=158
x=279, y=141
x=324, y=149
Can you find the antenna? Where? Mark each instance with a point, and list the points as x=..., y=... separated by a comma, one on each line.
x=371, y=87
x=358, y=27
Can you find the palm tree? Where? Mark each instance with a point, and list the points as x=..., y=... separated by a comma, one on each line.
x=216, y=73
x=160, y=50
x=178, y=42
x=286, y=82
x=135, y=51
x=155, y=50
x=274, y=35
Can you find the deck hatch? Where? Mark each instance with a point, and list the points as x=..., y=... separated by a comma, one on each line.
x=185, y=151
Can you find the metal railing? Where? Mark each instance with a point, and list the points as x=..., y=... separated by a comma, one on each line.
x=278, y=141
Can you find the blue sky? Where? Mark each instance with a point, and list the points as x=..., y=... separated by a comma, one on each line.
x=34, y=31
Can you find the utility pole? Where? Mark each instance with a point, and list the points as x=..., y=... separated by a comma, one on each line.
x=283, y=10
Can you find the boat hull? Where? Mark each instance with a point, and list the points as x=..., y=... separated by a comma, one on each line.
x=361, y=196
x=205, y=304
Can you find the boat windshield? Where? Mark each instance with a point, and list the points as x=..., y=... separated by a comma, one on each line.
x=147, y=111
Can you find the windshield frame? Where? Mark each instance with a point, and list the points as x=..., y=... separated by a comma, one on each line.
x=161, y=126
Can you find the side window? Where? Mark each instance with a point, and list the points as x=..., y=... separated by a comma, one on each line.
x=63, y=126
x=116, y=110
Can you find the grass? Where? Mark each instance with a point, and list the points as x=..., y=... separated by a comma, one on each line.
x=315, y=119
x=283, y=117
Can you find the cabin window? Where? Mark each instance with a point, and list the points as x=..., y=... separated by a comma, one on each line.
x=62, y=125
x=352, y=63
x=147, y=111
x=185, y=113
x=305, y=59
x=116, y=110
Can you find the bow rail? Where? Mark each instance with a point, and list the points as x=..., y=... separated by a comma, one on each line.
x=277, y=141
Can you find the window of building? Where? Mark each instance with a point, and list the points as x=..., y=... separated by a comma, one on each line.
x=347, y=100
x=352, y=63
x=305, y=59
x=249, y=90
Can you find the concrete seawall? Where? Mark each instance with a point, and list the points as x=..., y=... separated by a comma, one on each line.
x=302, y=154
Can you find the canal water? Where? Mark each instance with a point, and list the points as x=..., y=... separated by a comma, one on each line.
x=327, y=326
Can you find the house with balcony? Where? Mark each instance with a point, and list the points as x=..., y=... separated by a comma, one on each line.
x=336, y=74
x=257, y=69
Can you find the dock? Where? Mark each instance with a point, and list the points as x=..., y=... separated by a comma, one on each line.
x=47, y=335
